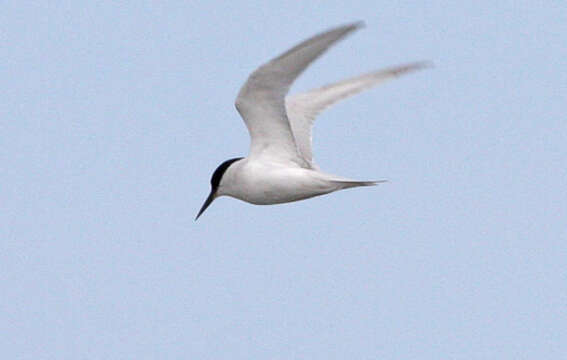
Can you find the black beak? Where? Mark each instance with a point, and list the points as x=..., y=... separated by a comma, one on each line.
x=208, y=202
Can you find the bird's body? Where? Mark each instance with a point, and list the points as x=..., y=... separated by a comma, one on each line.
x=265, y=183
x=280, y=166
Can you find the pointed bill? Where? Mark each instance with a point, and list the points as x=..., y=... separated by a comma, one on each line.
x=208, y=202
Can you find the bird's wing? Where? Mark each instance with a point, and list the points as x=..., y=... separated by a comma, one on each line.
x=261, y=100
x=303, y=108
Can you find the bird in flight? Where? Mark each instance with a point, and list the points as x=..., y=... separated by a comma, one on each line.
x=280, y=166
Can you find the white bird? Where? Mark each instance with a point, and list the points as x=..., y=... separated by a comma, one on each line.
x=280, y=166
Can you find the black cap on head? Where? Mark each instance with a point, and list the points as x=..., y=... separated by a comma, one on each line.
x=219, y=172
x=215, y=181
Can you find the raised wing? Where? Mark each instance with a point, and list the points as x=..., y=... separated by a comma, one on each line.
x=261, y=100
x=302, y=109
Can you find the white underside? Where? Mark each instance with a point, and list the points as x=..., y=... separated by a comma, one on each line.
x=265, y=183
x=280, y=167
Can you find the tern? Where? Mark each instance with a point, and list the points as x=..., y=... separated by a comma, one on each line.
x=280, y=166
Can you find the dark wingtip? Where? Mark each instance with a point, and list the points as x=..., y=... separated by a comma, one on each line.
x=353, y=26
x=417, y=65
x=347, y=28
x=359, y=24
x=424, y=64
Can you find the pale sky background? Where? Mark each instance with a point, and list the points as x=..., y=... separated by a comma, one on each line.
x=113, y=117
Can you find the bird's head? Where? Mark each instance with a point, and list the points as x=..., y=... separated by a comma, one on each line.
x=216, y=181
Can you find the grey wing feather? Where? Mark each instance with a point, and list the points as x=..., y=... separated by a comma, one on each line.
x=261, y=100
x=303, y=108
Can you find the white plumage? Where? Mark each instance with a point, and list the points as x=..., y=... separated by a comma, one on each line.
x=280, y=166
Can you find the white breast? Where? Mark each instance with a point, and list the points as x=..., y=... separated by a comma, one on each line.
x=264, y=183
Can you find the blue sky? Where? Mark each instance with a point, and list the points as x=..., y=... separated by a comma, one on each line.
x=115, y=115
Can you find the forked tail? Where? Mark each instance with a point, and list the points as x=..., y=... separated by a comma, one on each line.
x=346, y=184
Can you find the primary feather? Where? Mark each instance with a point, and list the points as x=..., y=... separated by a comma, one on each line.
x=303, y=108
x=261, y=100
